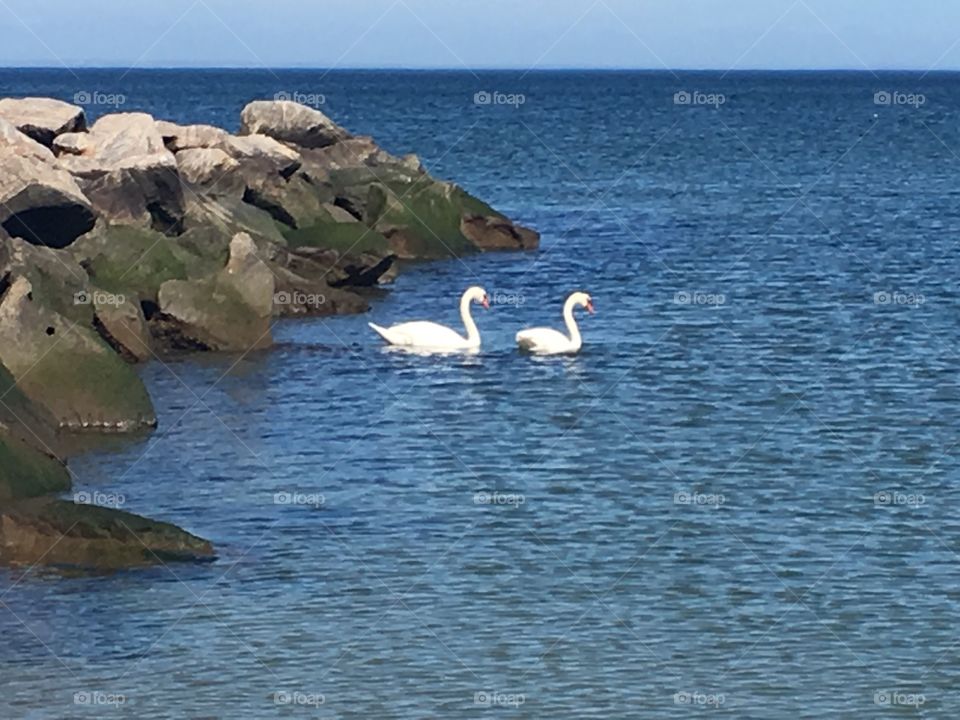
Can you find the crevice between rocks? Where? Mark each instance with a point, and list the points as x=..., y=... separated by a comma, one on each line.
x=252, y=197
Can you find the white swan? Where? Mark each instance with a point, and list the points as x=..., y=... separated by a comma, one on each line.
x=546, y=341
x=431, y=336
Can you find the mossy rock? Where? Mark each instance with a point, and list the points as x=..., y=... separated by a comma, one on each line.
x=427, y=217
x=124, y=259
x=351, y=238
x=26, y=472
x=67, y=535
x=68, y=369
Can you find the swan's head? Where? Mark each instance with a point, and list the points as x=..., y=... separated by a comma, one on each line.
x=478, y=295
x=581, y=299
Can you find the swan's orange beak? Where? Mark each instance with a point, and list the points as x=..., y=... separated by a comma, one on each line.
x=485, y=302
x=590, y=308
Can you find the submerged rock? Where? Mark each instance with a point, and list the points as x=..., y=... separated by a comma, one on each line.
x=69, y=535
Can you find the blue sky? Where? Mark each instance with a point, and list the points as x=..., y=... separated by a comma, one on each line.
x=776, y=34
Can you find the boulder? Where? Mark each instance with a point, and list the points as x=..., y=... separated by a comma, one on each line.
x=27, y=472
x=15, y=141
x=74, y=143
x=66, y=368
x=121, y=323
x=129, y=174
x=229, y=311
x=495, y=232
x=42, y=119
x=39, y=201
x=290, y=122
x=134, y=261
x=184, y=137
x=210, y=171
x=90, y=537
x=263, y=154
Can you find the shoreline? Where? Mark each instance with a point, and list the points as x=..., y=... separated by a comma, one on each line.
x=137, y=237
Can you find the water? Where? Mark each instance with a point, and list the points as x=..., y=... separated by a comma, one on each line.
x=741, y=494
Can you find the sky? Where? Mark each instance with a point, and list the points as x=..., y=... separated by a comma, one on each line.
x=528, y=34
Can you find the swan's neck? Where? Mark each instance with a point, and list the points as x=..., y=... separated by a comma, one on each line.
x=473, y=335
x=572, y=327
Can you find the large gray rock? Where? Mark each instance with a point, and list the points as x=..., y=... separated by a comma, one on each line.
x=73, y=143
x=66, y=368
x=210, y=171
x=14, y=140
x=42, y=118
x=129, y=174
x=39, y=201
x=229, y=311
x=263, y=154
x=184, y=137
x=291, y=122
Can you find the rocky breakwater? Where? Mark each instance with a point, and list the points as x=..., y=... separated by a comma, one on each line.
x=134, y=237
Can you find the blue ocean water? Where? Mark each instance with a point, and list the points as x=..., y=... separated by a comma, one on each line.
x=739, y=500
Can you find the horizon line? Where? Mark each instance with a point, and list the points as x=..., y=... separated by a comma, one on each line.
x=467, y=70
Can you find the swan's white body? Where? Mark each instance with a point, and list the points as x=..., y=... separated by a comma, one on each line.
x=547, y=341
x=424, y=335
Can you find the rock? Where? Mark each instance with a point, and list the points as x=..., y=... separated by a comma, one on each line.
x=121, y=323
x=42, y=119
x=118, y=137
x=229, y=311
x=66, y=368
x=40, y=202
x=495, y=232
x=134, y=261
x=335, y=229
x=264, y=153
x=210, y=171
x=128, y=173
x=65, y=534
x=74, y=143
x=15, y=141
x=27, y=472
x=184, y=137
x=290, y=122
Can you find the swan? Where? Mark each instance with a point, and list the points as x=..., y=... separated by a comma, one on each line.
x=431, y=336
x=546, y=341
